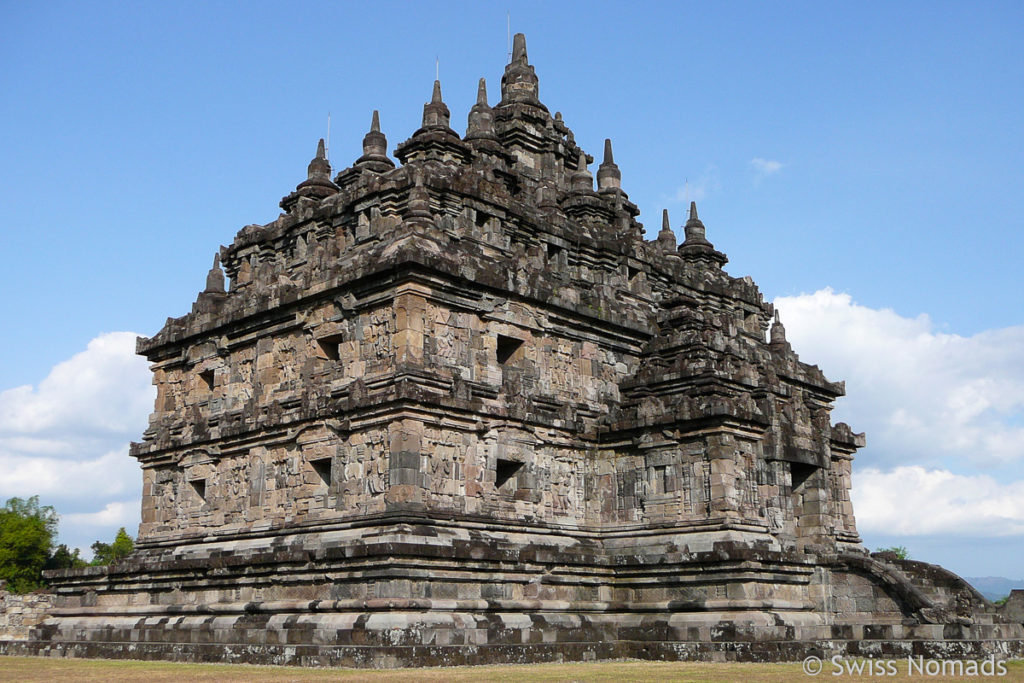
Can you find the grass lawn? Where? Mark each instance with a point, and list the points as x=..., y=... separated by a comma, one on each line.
x=50, y=669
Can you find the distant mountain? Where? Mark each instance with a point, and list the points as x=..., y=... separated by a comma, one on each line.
x=994, y=587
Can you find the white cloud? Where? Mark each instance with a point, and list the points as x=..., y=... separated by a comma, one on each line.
x=942, y=412
x=922, y=396
x=66, y=439
x=115, y=514
x=102, y=391
x=765, y=167
x=85, y=479
x=914, y=501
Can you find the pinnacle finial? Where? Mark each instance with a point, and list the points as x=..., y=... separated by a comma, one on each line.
x=418, y=207
x=375, y=148
x=581, y=180
x=778, y=332
x=435, y=112
x=215, y=278
x=317, y=184
x=696, y=246
x=666, y=238
x=608, y=175
x=481, y=118
x=694, y=228
x=319, y=168
x=519, y=84
x=519, y=49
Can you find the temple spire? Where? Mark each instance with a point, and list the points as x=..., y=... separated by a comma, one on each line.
x=481, y=117
x=581, y=179
x=319, y=168
x=215, y=278
x=666, y=238
x=318, y=183
x=435, y=112
x=778, y=332
x=608, y=175
x=519, y=49
x=417, y=209
x=695, y=246
x=375, y=148
x=547, y=197
x=520, y=84
x=694, y=229
x=434, y=139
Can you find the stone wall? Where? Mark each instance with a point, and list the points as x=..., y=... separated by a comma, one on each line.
x=19, y=613
x=464, y=404
x=1013, y=609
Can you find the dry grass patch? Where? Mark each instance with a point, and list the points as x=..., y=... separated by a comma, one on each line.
x=90, y=670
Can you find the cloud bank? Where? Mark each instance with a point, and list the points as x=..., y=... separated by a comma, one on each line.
x=66, y=439
x=929, y=396
x=914, y=501
x=104, y=392
x=943, y=415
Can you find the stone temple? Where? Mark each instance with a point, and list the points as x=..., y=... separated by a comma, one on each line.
x=453, y=408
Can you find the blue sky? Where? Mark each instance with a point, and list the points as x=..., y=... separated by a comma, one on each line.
x=872, y=153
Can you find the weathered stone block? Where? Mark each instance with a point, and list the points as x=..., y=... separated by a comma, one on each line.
x=459, y=410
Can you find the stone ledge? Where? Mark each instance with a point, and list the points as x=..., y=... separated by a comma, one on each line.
x=396, y=656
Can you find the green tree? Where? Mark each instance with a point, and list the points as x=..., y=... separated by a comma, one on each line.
x=898, y=550
x=105, y=553
x=27, y=530
x=63, y=558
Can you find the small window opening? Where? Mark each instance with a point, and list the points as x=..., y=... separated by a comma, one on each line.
x=206, y=380
x=507, y=346
x=553, y=250
x=632, y=272
x=504, y=472
x=800, y=473
x=481, y=219
x=659, y=479
x=199, y=486
x=322, y=467
x=330, y=347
